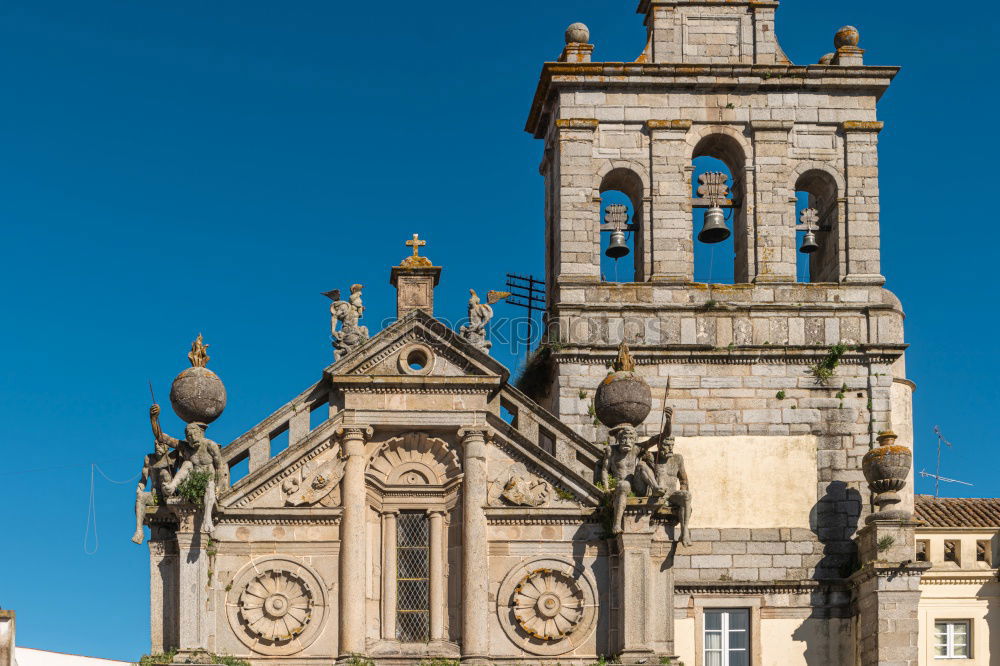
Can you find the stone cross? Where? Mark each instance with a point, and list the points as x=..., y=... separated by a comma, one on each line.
x=416, y=244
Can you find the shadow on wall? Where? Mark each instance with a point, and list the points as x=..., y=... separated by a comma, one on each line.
x=827, y=631
x=833, y=520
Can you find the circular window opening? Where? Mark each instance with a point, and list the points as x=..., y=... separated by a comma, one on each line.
x=416, y=359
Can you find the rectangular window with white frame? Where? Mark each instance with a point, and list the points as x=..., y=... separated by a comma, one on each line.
x=727, y=637
x=952, y=639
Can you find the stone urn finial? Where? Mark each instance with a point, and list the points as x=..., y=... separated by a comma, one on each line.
x=886, y=469
x=197, y=394
x=623, y=397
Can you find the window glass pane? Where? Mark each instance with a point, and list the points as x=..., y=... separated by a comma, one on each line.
x=739, y=659
x=960, y=629
x=940, y=651
x=713, y=620
x=738, y=640
x=412, y=573
x=713, y=640
x=738, y=619
x=961, y=650
x=713, y=659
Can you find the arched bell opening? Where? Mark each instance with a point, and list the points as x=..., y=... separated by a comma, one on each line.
x=621, y=215
x=817, y=230
x=719, y=227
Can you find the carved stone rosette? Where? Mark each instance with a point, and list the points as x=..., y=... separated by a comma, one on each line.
x=276, y=606
x=547, y=606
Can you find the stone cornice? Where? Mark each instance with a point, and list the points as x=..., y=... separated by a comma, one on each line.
x=707, y=77
x=523, y=515
x=704, y=354
x=577, y=123
x=754, y=587
x=977, y=578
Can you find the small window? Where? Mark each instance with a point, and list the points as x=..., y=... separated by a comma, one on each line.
x=951, y=550
x=546, y=441
x=951, y=639
x=413, y=578
x=983, y=552
x=923, y=546
x=727, y=637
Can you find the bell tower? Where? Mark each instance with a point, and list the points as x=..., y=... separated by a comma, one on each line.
x=802, y=351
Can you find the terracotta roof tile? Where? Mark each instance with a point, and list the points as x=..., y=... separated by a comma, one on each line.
x=958, y=512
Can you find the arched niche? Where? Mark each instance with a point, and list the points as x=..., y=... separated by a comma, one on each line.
x=415, y=459
x=722, y=151
x=626, y=184
x=819, y=188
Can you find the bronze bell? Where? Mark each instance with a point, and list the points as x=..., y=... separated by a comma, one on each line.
x=809, y=244
x=715, y=229
x=617, y=247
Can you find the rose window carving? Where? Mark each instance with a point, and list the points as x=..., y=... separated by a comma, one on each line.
x=276, y=606
x=548, y=604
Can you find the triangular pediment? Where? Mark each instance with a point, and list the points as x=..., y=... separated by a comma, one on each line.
x=418, y=346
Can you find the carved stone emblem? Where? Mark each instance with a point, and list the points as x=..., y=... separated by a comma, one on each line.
x=516, y=487
x=548, y=604
x=312, y=482
x=276, y=606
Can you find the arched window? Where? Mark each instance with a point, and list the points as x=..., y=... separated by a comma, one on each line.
x=817, y=231
x=621, y=211
x=719, y=240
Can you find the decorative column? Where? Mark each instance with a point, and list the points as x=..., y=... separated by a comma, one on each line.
x=475, y=576
x=192, y=581
x=389, y=574
x=353, y=570
x=437, y=575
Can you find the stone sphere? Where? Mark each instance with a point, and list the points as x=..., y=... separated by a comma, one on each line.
x=578, y=33
x=623, y=397
x=827, y=59
x=198, y=396
x=847, y=36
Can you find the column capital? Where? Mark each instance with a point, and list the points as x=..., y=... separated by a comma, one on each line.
x=389, y=512
x=473, y=431
x=354, y=432
x=436, y=512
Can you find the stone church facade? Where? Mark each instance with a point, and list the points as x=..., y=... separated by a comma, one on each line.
x=426, y=507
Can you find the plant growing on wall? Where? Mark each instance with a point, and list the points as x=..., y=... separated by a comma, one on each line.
x=827, y=366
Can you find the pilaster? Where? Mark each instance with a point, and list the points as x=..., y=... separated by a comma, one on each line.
x=772, y=221
x=886, y=593
x=577, y=216
x=192, y=582
x=633, y=604
x=475, y=552
x=862, y=202
x=670, y=208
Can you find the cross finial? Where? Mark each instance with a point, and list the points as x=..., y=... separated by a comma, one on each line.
x=416, y=244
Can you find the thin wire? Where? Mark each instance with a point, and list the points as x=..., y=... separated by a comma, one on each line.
x=92, y=508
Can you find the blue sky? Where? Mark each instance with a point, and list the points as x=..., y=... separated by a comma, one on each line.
x=170, y=168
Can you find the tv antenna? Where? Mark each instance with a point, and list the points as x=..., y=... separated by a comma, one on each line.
x=526, y=292
x=937, y=475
